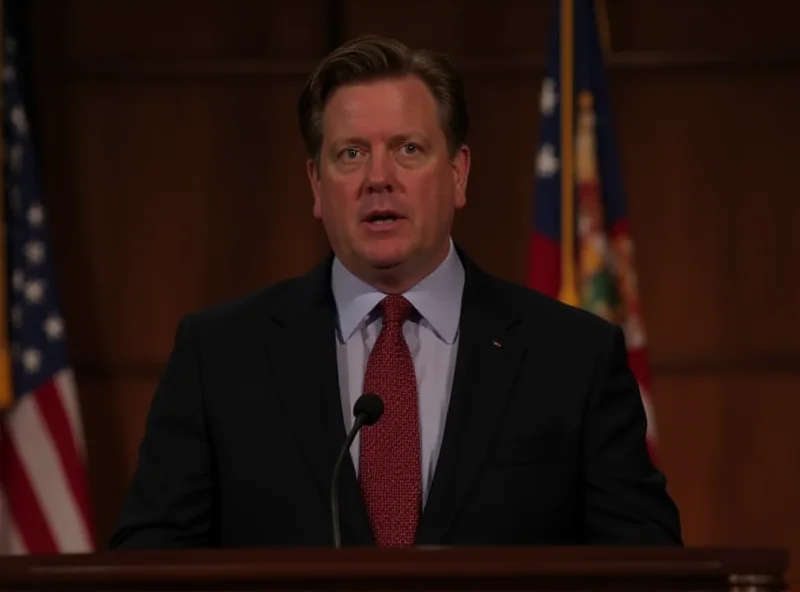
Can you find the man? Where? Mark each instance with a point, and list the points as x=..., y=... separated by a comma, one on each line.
x=509, y=418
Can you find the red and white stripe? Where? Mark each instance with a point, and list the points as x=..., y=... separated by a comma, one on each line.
x=44, y=501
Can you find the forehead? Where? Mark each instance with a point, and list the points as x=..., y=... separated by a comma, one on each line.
x=381, y=107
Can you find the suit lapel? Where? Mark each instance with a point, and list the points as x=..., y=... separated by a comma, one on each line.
x=487, y=363
x=302, y=355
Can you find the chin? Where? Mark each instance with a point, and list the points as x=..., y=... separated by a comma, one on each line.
x=386, y=257
x=386, y=262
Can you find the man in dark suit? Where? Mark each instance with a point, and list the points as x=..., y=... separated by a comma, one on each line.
x=509, y=418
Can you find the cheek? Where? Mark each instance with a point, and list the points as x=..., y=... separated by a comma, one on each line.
x=339, y=199
x=434, y=195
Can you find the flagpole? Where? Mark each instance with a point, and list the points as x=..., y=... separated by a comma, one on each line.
x=568, y=291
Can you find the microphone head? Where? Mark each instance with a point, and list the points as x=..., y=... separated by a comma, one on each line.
x=371, y=406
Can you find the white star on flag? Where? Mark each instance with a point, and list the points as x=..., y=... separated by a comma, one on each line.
x=54, y=327
x=31, y=360
x=546, y=161
x=36, y=215
x=34, y=291
x=34, y=252
x=549, y=97
x=19, y=120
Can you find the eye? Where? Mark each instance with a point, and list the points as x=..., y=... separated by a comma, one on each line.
x=349, y=154
x=409, y=149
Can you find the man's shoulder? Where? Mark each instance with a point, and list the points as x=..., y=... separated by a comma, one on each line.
x=548, y=316
x=252, y=310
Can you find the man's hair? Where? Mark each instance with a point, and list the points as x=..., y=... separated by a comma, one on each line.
x=372, y=57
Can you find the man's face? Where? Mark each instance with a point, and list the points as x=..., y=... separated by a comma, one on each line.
x=385, y=187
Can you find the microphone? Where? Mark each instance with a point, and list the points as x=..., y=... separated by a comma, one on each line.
x=367, y=411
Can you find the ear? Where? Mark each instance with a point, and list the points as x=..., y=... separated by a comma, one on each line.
x=312, y=170
x=460, y=165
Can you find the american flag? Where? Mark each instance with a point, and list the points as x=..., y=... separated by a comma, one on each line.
x=44, y=502
x=603, y=268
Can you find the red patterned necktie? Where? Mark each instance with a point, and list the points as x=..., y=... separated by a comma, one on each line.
x=391, y=478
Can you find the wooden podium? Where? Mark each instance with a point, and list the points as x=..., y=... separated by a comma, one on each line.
x=465, y=568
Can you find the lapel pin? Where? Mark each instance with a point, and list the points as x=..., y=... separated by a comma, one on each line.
x=497, y=343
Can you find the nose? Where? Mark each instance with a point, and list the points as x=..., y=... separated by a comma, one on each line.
x=380, y=172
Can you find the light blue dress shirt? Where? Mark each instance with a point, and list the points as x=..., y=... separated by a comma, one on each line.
x=432, y=337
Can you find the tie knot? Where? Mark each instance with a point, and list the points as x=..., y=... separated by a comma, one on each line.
x=396, y=309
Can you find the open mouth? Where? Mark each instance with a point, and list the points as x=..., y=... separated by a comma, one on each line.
x=382, y=218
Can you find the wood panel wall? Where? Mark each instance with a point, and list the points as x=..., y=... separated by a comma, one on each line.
x=174, y=173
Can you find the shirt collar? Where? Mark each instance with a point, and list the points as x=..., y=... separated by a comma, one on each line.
x=437, y=297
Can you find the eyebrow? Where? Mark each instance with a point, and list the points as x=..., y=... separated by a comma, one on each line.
x=397, y=139
x=348, y=140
